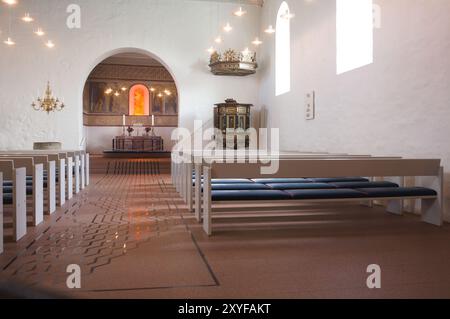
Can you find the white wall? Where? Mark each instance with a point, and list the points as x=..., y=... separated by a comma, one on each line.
x=177, y=32
x=399, y=105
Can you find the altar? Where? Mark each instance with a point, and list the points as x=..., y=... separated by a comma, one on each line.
x=138, y=144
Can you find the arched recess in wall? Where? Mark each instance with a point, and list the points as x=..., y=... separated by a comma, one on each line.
x=283, y=51
x=131, y=85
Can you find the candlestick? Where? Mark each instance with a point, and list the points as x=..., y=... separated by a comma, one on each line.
x=153, y=120
x=123, y=120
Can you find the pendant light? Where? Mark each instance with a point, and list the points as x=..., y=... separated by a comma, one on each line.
x=270, y=30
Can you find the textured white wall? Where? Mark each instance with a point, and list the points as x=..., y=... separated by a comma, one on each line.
x=399, y=105
x=176, y=32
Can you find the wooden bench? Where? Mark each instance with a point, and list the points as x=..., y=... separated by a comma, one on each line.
x=191, y=193
x=428, y=170
x=17, y=208
x=30, y=162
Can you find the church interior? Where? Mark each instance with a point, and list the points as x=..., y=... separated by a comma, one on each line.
x=237, y=149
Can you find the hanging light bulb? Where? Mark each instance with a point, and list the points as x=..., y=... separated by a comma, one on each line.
x=257, y=41
x=218, y=39
x=168, y=93
x=39, y=32
x=9, y=42
x=27, y=18
x=160, y=95
x=152, y=89
x=288, y=15
x=228, y=27
x=124, y=89
x=240, y=12
x=270, y=30
x=50, y=44
x=116, y=93
x=211, y=50
x=108, y=91
x=10, y=2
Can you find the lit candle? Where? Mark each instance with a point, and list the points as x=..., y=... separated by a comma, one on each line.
x=123, y=120
x=153, y=120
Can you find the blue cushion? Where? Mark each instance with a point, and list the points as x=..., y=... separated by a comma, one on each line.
x=231, y=181
x=245, y=186
x=364, y=184
x=249, y=195
x=7, y=199
x=281, y=180
x=397, y=192
x=324, y=193
x=9, y=190
x=339, y=179
x=284, y=186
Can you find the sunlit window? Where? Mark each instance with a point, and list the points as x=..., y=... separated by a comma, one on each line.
x=354, y=34
x=283, y=51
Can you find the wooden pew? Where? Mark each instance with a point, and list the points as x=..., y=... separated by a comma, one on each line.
x=18, y=207
x=65, y=162
x=429, y=171
x=1, y=213
x=50, y=168
x=36, y=171
x=192, y=195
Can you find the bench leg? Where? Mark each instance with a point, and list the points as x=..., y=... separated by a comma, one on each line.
x=198, y=191
x=189, y=187
x=38, y=194
x=207, y=218
x=88, y=169
x=62, y=182
x=1, y=213
x=77, y=174
x=83, y=171
x=51, y=187
x=19, y=204
x=69, y=178
x=432, y=209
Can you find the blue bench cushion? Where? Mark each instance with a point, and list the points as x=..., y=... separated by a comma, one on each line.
x=339, y=179
x=364, y=185
x=397, y=192
x=245, y=186
x=9, y=190
x=324, y=193
x=227, y=195
x=231, y=181
x=285, y=186
x=281, y=180
x=7, y=199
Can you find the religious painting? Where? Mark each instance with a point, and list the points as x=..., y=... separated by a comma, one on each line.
x=171, y=105
x=101, y=102
x=157, y=103
x=139, y=100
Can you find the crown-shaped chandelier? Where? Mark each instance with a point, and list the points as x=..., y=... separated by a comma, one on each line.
x=48, y=103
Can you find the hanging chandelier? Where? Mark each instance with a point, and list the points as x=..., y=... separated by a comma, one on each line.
x=48, y=103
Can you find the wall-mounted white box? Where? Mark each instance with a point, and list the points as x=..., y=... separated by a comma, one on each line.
x=310, y=102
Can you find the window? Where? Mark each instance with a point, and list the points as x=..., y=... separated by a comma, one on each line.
x=354, y=34
x=139, y=104
x=283, y=51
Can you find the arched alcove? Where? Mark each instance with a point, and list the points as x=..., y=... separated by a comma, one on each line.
x=128, y=87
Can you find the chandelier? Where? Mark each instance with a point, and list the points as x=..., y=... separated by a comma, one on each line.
x=48, y=103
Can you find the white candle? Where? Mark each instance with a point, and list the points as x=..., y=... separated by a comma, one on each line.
x=123, y=120
x=153, y=120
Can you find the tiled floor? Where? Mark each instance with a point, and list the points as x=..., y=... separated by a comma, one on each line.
x=133, y=238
